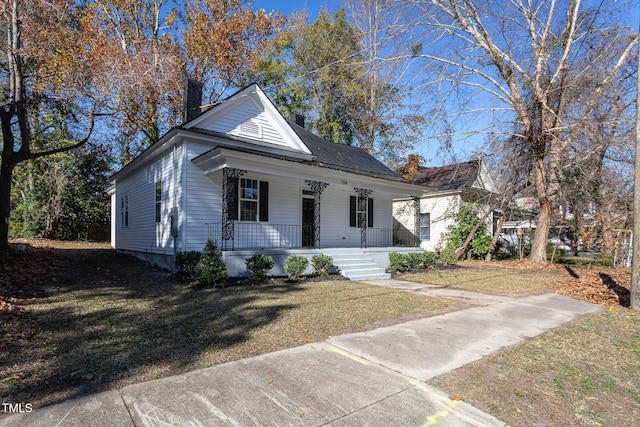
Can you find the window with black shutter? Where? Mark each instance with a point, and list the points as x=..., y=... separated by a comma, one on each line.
x=263, y=198
x=249, y=200
x=354, y=213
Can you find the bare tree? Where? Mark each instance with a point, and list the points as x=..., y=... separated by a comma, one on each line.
x=390, y=123
x=521, y=58
x=39, y=75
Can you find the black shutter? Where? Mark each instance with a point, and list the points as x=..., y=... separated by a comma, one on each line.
x=264, y=201
x=353, y=212
x=232, y=201
x=370, y=213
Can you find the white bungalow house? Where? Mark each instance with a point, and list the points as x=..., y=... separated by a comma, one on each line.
x=446, y=188
x=256, y=182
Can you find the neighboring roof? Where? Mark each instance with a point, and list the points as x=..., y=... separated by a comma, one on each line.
x=450, y=177
x=345, y=157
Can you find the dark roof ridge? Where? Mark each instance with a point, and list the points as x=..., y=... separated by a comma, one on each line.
x=345, y=156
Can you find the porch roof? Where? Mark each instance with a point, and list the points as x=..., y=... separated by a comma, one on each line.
x=281, y=165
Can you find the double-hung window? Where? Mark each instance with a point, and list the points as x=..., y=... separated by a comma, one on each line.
x=124, y=211
x=425, y=226
x=355, y=212
x=158, y=201
x=249, y=200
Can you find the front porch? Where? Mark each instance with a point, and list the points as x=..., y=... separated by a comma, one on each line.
x=260, y=236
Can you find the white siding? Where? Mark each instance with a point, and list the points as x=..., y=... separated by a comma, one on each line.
x=143, y=234
x=203, y=200
x=231, y=122
x=198, y=198
x=440, y=209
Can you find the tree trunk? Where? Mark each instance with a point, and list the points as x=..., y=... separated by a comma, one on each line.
x=539, y=245
x=543, y=225
x=496, y=236
x=6, y=171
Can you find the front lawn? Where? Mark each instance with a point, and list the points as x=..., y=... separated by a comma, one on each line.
x=87, y=320
x=497, y=277
x=582, y=374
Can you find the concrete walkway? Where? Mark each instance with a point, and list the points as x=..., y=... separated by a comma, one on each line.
x=371, y=378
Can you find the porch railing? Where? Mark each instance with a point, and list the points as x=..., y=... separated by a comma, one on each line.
x=388, y=237
x=287, y=236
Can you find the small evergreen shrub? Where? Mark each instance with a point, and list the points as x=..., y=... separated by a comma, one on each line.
x=210, y=269
x=186, y=262
x=295, y=265
x=414, y=260
x=429, y=259
x=322, y=264
x=259, y=265
x=448, y=255
x=398, y=262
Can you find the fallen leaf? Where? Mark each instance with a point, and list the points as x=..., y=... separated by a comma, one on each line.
x=14, y=377
x=456, y=397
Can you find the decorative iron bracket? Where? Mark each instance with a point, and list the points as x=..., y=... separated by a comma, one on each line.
x=228, y=176
x=362, y=207
x=317, y=187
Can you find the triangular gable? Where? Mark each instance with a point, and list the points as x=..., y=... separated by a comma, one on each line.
x=250, y=114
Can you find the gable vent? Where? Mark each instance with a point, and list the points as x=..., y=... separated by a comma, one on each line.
x=251, y=128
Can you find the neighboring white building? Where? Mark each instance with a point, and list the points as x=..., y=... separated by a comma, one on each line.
x=446, y=188
x=255, y=182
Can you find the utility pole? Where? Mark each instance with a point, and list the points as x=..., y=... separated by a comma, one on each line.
x=635, y=261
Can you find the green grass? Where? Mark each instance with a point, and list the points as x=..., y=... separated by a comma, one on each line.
x=104, y=334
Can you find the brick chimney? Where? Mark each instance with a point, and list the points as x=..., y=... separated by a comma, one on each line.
x=413, y=163
x=192, y=99
x=298, y=119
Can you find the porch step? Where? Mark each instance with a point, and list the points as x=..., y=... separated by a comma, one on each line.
x=359, y=267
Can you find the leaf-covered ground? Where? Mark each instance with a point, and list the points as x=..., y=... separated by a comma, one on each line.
x=78, y=319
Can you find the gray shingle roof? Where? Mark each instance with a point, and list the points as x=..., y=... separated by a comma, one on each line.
x=352, y=159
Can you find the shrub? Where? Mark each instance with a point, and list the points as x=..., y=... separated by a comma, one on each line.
x=429, y=259
x=448, y=255
x=414, y=260
x=463, y=223
x=186, y=262
x=210, y=269
x=322, y=264
x=295, y=265
x=398, y=262
x=259, y=265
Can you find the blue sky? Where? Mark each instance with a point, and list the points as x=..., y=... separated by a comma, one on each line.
x=286, y=7
x=428, y=148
